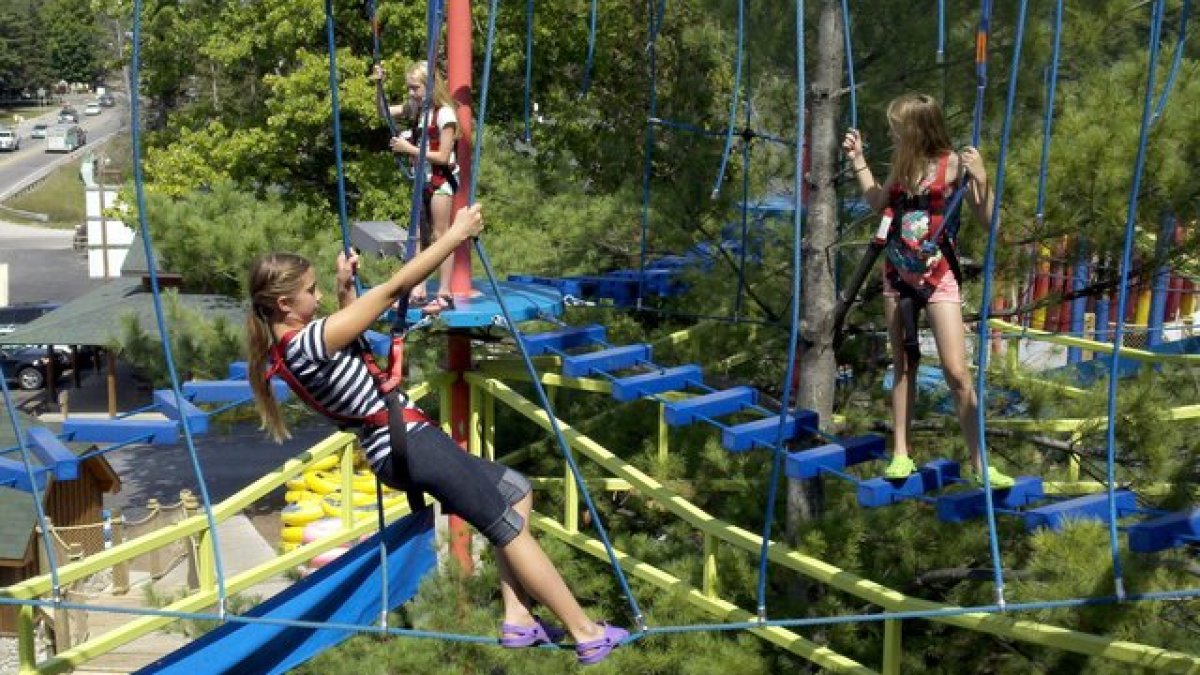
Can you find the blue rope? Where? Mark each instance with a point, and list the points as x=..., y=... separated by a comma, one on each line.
x=777, y=451
x=850, y=60
x=591, y=50
x=1048, y=117
x=135, y=133
x=734, y=96
x=529, y=367
x=981, y=40
x=36, y=494
x=424, y=116
x=745, y=240
x=528, y=65
x=381, y=99
x=656, y=19
x=1184, y=14
x=941, y=36
x=981, y=349
x=1123, y=292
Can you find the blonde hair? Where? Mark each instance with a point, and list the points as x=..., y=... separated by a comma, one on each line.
x=441, y=93
x=920, y=130
x=272, y=276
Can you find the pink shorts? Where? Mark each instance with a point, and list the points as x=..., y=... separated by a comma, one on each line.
x=946, y=291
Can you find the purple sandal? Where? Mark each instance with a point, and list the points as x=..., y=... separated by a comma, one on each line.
x=513, y=636
x=595, y=651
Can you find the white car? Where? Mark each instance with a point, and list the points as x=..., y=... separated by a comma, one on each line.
x=39, y=130
x=9, y=140
x=92, y=108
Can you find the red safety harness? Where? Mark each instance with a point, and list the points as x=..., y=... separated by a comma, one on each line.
x=439, y=174
x=387, y=382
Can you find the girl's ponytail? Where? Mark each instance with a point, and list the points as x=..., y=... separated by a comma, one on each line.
x=272, y=276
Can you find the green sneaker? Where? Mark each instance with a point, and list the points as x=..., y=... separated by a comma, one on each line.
x=900, y=467
x=998, y=481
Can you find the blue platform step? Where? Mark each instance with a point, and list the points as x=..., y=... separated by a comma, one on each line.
x=763, y=432
x=1164, y=532
x=656, y=382
x=680, y=413
x=177, y=408
x=960, y=506
x=157, y=432
x=884, y=492
x=229, y=391
x=834, y=456
x=605, y=360
x=562, y=339
x=53, y=453
x=1089, y=507
x=14, y=475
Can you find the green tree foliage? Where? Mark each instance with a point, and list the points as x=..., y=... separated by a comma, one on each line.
x=203, y=346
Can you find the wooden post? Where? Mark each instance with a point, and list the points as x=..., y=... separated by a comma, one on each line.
x=664, y=438
x=891, y=646
x=112, y=382
x=26, y=635
x=120, y=571
x=709, y=577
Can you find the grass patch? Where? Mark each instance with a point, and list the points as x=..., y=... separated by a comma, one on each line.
x=9, y=115
x=61, y=195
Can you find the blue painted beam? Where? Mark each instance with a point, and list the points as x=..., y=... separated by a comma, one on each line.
x=834, y=456
x=657, y=382
x=563, y=339
x=605, y=360
x=718, y=403
x=1164, y=532
x=381, y=345
x=763, y=432
x=1089, y=507
x=238, y=370
x=884, y=492
x=962, y=506
x=177, y=409
x=53, y=453
x=160, y=432
x=229, y=391
x=13, y=474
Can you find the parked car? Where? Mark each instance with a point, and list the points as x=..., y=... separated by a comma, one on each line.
x=9, y=140
x=107, y=100
x=65, y=138
x=15, y=316
x=39, y=130
x=29, y=366
x=92, y=108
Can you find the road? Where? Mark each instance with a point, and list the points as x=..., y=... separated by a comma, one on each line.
x=32, y=158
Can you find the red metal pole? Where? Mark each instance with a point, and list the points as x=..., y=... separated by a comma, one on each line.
x=458, y=360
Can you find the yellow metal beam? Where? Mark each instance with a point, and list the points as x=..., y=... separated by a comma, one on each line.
x=722, y=609
x=1092, y=345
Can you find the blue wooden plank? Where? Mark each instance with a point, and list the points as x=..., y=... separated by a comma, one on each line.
x=838, y=456
x=238, y=370
x=563, y=339
x=1164, y=532
x=160, y=432
x=229, y=391
x=763, y=432
x=605, y=360
x=14, y=475
x=381, y=345
x=53, y=453
x=1089, y=507
x=670, y=379
x=718, y=403
x=962, y=506
x=885, y=492
x=175, y=409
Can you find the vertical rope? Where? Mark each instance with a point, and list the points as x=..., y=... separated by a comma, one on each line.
x=846, y=32
x=591, y=50
x=734, y=96
x=1048, y=115
x=794, y=334
x=1123, y=292
x=135, y=134
x=941, y=35
x=1184, y=14
x=656, y=21
x=981, y=51
x=433, y=22
x=528, y=65
x=564, y=448
x=981, y=347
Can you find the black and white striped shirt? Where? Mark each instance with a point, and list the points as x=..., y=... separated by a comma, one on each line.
x=341, y=382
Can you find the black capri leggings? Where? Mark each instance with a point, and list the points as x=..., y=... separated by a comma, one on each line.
x=481, y=492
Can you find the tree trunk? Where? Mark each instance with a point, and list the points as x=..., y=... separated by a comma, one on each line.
x=816, y=362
